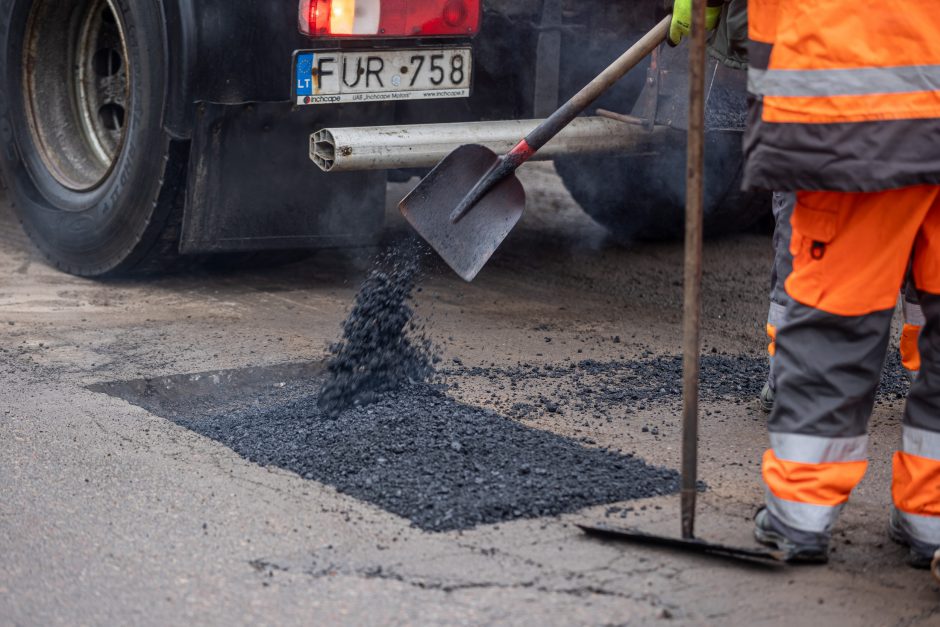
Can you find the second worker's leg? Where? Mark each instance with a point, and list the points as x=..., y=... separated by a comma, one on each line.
x=783, y=203
x=915, y=519
x=910, y=334
x=915, y=516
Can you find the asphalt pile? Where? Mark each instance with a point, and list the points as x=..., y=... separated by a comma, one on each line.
x=383, y=346
x=439, y=463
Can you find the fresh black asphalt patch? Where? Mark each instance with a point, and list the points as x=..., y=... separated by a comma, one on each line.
x=416, y=452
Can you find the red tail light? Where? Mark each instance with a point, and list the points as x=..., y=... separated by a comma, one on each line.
x=389, y=18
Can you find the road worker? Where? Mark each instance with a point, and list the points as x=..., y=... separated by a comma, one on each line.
x=845, y=111
x=845, y=114
x=728, y=45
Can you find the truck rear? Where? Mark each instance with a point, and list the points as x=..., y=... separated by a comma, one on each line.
x=138, y=134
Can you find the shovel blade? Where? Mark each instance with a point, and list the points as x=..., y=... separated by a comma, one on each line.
x=609, y=532
x=467, y=245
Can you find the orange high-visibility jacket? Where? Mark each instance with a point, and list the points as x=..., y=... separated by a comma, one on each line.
x=844, y=95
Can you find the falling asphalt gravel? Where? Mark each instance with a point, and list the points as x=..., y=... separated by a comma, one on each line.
x=382, y=347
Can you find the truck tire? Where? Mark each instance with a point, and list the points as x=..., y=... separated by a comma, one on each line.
x=642, y=197
x=97, y=182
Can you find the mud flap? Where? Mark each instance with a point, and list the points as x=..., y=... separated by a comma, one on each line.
x=251, y=185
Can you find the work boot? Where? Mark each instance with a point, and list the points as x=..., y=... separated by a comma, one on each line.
x=767, y=398
x=922, y=556
x=812, y=549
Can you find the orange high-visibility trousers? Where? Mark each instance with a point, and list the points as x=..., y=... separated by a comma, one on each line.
x=851, y=252
x=783, y=205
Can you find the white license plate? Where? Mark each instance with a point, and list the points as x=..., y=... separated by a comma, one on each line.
x=337, y=76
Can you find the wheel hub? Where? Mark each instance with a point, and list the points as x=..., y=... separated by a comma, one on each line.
x=77, y=86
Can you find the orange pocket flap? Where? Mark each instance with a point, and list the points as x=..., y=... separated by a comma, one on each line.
x=810, y=222
x=819, y=225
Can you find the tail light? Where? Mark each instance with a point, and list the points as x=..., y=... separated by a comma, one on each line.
x=389, y=18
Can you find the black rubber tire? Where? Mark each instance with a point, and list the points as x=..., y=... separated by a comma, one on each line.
x=642, y=197
x=129, y=222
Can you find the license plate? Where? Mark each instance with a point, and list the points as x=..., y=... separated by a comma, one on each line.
x=338, y=76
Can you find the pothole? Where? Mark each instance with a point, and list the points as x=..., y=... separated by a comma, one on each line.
x=442, y=464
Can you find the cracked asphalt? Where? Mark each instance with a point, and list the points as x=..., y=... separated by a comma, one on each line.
x=113, y=514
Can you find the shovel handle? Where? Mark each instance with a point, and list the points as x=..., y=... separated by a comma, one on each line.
x=546, y=131
x=553, y=125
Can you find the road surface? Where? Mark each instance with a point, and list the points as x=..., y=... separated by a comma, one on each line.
x=111, y=514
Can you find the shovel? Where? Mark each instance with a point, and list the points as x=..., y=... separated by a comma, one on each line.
x=691, y=331
x=467, y=205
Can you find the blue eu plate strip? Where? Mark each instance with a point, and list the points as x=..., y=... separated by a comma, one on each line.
x=304, y=78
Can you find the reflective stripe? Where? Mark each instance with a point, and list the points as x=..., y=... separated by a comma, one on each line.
x=921, y=442
x=813, y=449
x=924, y=529
x=803, y=516
x=848, y=82
x=913, y=313
x=776, y=315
